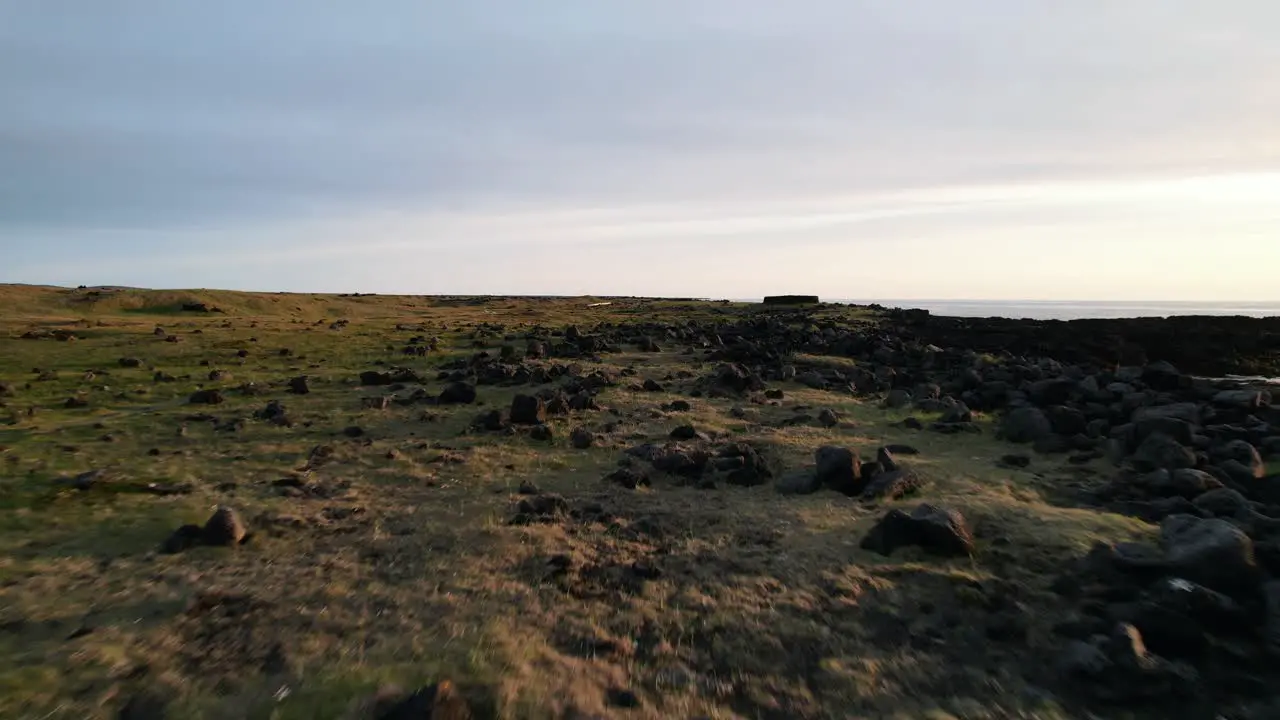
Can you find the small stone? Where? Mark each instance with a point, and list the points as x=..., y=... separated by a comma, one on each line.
x=892, y=485
x=224, y=528
x=206, y=397
x=581, y=438
x=885, y=458
x=897, y=398
x=629, y=478
x=685, y=432
x=457, y=394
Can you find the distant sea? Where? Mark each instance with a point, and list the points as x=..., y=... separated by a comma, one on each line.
x=1075, y=310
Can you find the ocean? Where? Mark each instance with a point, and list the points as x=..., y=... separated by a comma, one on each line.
x=1075, y=310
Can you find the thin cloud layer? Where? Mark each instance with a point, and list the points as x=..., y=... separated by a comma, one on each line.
x=274, y=131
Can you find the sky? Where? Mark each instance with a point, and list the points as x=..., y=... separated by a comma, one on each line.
x=980, y=149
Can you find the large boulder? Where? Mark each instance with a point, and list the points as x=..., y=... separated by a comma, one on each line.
x=1223, y=503
x=373, y=377
x=206, y=397
x=797, y=482
x=224, y=527
x=528, y=410
x=682, y=460
x=1211, y=552
x=745, y=465
x=1184, y=482
x=737, y=378
x=1159, y=451
x=1176, y=617
x=1242, y=399
x=1055, y=391
x=839, y=469
x=938, y=530
x=897, y=398
x=1117, y=669
x=1164, y=376
x=1066, y=421
x=1025, y=424
x=457, y=393
x=1245, y=454
x=812, y=379
x=1187, y=412
x=1176, y=428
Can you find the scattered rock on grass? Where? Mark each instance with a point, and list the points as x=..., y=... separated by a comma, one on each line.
x=937, y=530
x=1025, y=424
x=458, y=393
x=528, y=410
x=581, y=438
x=892, y=485
x=274, y=412
x=629, y=478
x=688, y=432
x=224, y=528
x=839, y=469
x=540, y=509
x=206, y=397
x=85, y=480
x=744, y=464
x=376, y=402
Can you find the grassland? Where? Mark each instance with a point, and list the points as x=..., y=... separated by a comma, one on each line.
x=388, y=558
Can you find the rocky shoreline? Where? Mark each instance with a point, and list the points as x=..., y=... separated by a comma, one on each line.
x=1198, y=344
x=1185, y=626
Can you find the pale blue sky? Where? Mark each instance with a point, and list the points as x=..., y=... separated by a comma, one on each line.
x=1126, y=149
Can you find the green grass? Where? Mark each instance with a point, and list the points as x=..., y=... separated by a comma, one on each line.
x=402, y=569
